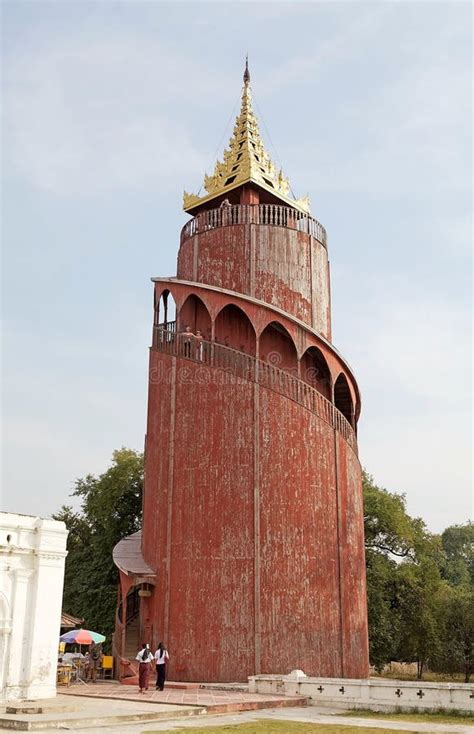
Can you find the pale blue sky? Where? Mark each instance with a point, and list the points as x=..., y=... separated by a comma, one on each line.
x=112, y=108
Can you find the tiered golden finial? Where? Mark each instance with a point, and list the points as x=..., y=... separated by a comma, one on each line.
x=245, y=160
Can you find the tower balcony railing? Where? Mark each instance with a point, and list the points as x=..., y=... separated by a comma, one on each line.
x=231, y=362
x=270, y=214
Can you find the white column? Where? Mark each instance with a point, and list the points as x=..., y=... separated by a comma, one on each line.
x=20, y=632
x=49, y=557
x=32, y=553
x=5, y=625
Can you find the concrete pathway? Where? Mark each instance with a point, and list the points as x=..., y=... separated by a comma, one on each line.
x=216, y=701
x=84, y=712
x=310, y=714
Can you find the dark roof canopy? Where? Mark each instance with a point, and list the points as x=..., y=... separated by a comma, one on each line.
x=128, y=557
x=69, y=622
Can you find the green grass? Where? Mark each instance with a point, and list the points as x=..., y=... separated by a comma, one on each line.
x=433, y=717
x=268, y=726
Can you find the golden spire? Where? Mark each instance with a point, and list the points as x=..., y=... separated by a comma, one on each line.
x=245, y=160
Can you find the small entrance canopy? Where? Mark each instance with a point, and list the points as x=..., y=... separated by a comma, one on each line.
x=128, y=557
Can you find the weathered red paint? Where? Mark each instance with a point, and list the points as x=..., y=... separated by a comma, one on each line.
x=260, y=316
x=252, y=511
x=280, y=266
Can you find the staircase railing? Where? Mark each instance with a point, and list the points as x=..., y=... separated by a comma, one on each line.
x=228, y=361
x=132, y=608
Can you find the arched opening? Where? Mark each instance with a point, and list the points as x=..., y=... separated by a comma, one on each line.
x=343, y=399
x=165, y=311
x=233, y=328
x=164, y=324
x=193, y=313
x=278, y=349
x=315, y=371
x=129, y=616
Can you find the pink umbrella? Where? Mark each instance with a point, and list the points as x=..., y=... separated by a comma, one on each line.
x=82, y=637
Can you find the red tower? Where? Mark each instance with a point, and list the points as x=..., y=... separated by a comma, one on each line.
x=251, y=556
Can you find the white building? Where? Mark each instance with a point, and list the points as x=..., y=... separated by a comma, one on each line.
x=32, y=556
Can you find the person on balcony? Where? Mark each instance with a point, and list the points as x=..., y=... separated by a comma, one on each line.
x=226, y=211
x=198, y=344
x=145, y=659
x=187, y=339
x=161, y=658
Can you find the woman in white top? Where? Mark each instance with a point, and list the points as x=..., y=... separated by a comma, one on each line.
x=145, y=658
x=161, y=658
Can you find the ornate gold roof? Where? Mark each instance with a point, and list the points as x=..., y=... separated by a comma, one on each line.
x=245, y=159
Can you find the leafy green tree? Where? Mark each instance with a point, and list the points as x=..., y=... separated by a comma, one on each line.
x=383, y=614
x=402, y=561
x=390, y=534
x=418, y=586
x=456, y=625
x=110, y=510
x=458, y=546
x=388, y=527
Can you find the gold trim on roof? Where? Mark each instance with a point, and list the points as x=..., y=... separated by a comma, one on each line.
x=245, y=159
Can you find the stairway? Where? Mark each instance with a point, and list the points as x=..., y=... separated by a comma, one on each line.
x=132, y=642
x=129, y=673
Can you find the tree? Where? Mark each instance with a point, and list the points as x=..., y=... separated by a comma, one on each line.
x=456, y=623
x=383, y=614
x=458, y=546
x=456, y=618
x=110, y=510
x=389, y=536
x=388, y=527
x=418, y=586
x=402, y=574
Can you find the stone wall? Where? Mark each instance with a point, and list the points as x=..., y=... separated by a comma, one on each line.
x=374, y=694
x=32, y=556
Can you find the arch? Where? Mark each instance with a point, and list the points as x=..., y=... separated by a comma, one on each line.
x=194, y=313
x=242, y=306
x=234, y=329
x=315, y=371
x=278, y=348
x=165, y=309
x=268, y=318
x=343, y=399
